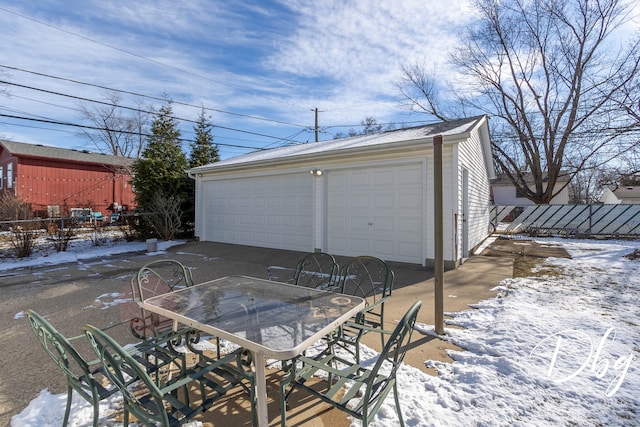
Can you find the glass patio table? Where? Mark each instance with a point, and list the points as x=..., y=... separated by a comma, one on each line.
x=270, y=319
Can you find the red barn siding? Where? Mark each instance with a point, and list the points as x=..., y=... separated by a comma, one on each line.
x=44, y=182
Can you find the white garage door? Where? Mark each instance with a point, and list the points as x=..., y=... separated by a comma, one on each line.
x=377, y=211
x=274, y=212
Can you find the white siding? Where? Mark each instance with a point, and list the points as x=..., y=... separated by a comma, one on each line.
x=469, y=155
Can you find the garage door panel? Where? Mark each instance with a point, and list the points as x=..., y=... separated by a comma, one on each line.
x=408, y=224
x=408, y=249
x=409, y=201
x=359, y=223
x=359, y=179
x=275, y=211
x=384, y=248
x=360, y=201
x=274, y=202
x=384, y=201
x=382, y=215
x=384, y=224
x=273, y=220
x=359, y=246
x=410, y=176
x=338, y=201
x=338, y=223
x=339, y=246
x=384, y=179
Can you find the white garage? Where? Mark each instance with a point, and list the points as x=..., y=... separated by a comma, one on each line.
x=365, y=195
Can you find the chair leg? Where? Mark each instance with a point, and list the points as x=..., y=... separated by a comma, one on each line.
x=96, y=410
x=283, y=401
x=397, y=398
x=68, y=408
x=125, y=419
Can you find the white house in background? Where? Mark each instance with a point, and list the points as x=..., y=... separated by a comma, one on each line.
x=629, y=194
x=506, y=194
x=365, y=195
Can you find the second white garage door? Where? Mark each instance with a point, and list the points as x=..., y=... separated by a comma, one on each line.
x=377, y=211
x=272, y=211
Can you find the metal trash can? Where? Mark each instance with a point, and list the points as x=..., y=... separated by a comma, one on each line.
x=152, y=245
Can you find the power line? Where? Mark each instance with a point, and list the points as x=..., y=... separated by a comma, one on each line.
x=135, y=109
x=56, y=122
x=155, y=98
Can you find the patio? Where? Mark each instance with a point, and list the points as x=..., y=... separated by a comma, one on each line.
x=73, y=295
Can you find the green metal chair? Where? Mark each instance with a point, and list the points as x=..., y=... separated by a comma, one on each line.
x=82, y=376
x=87, y=377
x=372, y=279
x=168, y=403
x=368, y=387
x=316, y=270
x=156, y=278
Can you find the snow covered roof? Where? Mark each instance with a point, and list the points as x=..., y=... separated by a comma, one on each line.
x=454, y=128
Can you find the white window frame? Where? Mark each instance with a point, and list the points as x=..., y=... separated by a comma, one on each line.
x=9, y=175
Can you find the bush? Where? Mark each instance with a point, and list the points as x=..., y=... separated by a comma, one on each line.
x=23, y=234
x=165, y=220
x=60, y=233
x=23, y=240
x=12, y=208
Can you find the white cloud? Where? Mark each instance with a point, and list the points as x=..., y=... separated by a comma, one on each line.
x=273, y=59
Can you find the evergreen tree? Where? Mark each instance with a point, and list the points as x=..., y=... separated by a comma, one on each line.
x=162, y=169
x=203, y=150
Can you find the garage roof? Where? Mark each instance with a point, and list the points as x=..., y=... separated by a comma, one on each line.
x=47, y=152
x=458, y=128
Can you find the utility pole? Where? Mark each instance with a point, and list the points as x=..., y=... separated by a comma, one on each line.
x=316, y=128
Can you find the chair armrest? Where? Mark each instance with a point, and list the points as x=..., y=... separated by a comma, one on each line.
x=360, y=317
x=365, y=328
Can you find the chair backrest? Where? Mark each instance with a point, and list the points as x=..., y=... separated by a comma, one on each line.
x=367, y=277
x=156, y=278
x=159, y=277
x=316, y=270
x=123, y=370
x=393, y=353
x=63, y=353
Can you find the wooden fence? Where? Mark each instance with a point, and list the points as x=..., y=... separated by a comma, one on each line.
x=590, y=220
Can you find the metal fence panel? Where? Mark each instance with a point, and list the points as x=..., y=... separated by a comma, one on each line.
x=616, y=220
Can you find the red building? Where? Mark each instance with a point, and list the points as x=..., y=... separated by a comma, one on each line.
x=55, y=180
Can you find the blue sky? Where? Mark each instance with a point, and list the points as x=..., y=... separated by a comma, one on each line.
x=276, y=60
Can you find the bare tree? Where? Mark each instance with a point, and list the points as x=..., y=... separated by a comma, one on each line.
x=165, y=219
x=118, y=130
x=559, y=85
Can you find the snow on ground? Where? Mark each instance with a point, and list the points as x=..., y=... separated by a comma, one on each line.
x=80, y=249
x=559, y=348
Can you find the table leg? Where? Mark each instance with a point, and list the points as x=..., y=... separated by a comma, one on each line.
x=261, y=389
